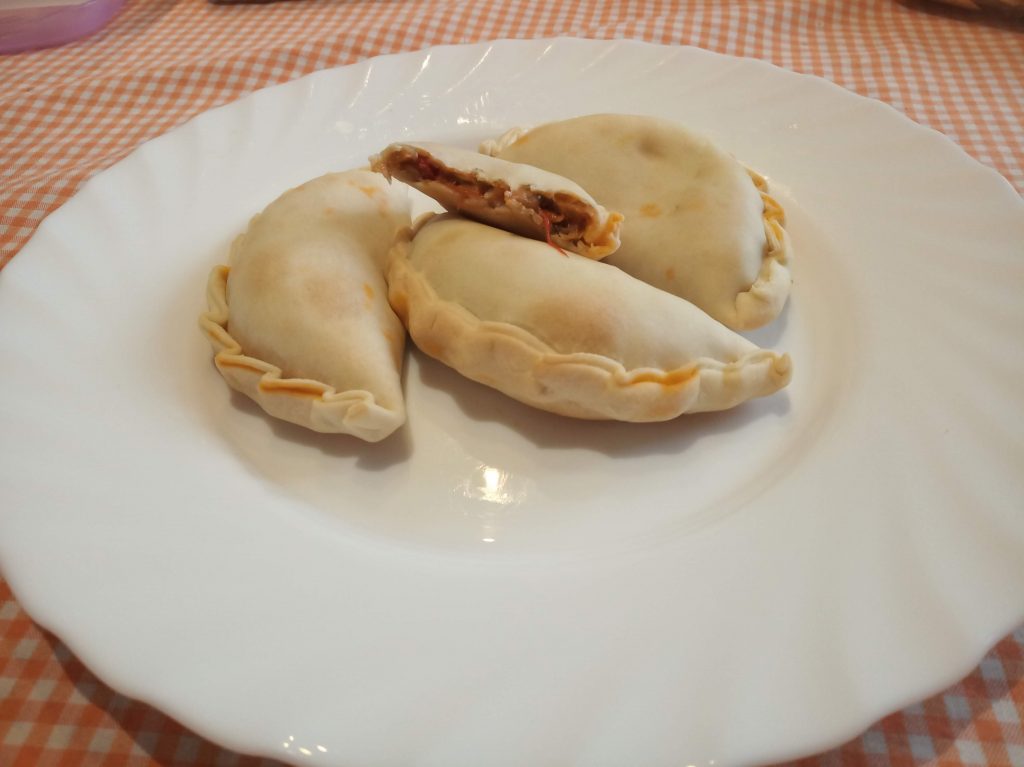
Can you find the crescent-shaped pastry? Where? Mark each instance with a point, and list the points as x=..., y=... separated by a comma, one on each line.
x=520, y=198
x=698, y=223
x=300, y=322
x=568, y=335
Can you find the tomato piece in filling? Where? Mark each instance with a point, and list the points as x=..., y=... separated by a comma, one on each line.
x=426, y=169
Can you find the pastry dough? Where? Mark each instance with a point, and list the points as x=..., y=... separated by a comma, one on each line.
x=569, y=335
x=520, y=198
x=300, y=321
x=698, y=224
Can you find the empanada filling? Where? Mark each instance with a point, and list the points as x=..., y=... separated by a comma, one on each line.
x=558, y=217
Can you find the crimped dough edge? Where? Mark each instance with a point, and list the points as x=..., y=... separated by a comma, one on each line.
x=763, y=300
x=581, y=385
x=302, y=401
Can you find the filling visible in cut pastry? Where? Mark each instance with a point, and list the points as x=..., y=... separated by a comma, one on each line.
x=519, y=198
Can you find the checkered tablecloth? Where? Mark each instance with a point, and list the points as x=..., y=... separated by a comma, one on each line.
x=67, y=113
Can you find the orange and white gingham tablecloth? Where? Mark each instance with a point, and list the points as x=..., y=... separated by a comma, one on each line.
x=69, y=112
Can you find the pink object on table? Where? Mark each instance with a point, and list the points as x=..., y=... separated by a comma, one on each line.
x=29, y=24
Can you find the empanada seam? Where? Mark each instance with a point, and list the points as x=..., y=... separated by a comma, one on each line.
x=426, y=307
x=229, y=353
x=766, y=296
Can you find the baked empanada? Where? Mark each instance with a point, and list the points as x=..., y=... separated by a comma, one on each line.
x=698, y=224
x=520, y=198
x=300, y=320
x=568, y=335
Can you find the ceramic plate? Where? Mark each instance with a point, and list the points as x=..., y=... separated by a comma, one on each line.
x=495, y=585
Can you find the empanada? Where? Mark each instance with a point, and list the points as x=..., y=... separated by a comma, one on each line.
x=520, y=198
x=568, y=335
x=698, y=223
x=300, y=320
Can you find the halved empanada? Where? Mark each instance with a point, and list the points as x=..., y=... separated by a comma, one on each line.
x=569, y=335
x=520, y=198
x=300, y=320
x=698, y=223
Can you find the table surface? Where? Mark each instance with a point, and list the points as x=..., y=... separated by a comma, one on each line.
x=69, y=112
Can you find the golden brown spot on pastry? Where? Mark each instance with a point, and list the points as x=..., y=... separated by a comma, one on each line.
x=571, y=326
x=368, y=290
x=329, y=299
x=772, y=209
x=299, y=388
x=650, y=210
x=670, y=274
x=240, y=365
x=650, y=145
x=672, y=379
x=369, y=191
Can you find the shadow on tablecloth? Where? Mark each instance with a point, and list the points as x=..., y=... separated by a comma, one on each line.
x=133, y=729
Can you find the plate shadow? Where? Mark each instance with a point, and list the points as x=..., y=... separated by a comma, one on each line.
x=372, y=456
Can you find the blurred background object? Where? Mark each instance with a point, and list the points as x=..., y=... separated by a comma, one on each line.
x=30, y=24
x=1013, y=8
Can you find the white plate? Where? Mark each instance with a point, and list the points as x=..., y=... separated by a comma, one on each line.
x=496, y=586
